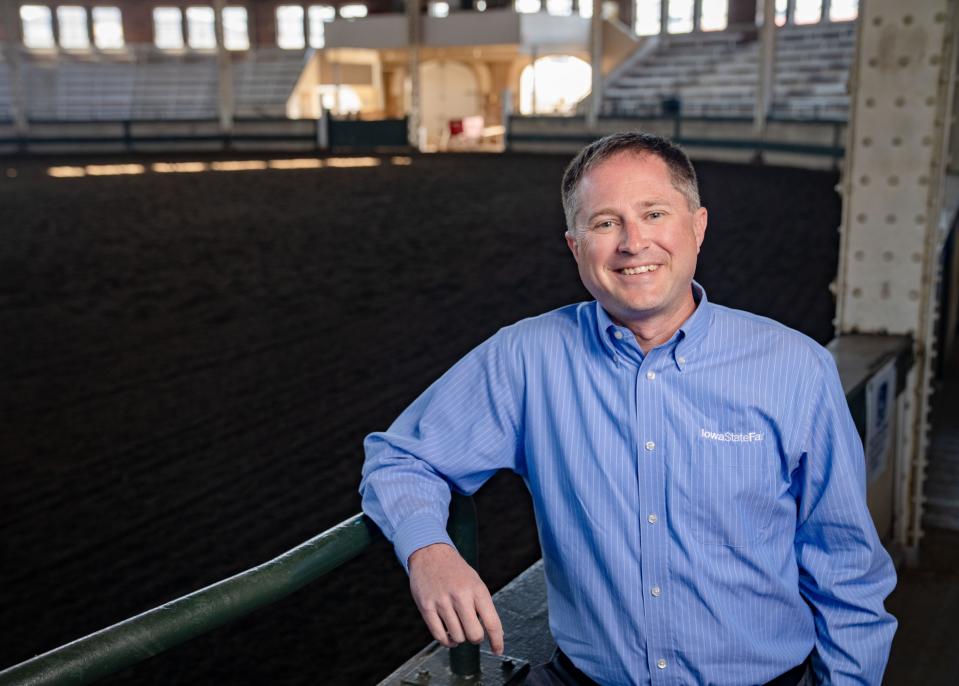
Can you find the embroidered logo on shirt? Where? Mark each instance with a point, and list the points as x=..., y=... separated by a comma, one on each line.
x=729, y=436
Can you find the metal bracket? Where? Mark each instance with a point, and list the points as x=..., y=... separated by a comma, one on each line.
x=494, y=671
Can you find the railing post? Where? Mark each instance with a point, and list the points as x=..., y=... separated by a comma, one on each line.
x=464, y=658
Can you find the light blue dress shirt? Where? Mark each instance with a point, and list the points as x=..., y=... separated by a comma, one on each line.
x=701, y=508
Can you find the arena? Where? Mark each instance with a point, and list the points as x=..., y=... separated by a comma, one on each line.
x=199, y=330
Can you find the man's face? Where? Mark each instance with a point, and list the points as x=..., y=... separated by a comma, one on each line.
x=635, y=240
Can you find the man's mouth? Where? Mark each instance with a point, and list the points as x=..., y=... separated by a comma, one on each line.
x=630, y=271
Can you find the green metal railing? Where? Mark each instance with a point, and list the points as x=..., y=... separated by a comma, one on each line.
x=154, y=631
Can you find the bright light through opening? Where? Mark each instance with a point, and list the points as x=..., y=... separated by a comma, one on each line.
x=559, y=82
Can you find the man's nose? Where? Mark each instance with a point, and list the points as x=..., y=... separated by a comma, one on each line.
x=632, y=237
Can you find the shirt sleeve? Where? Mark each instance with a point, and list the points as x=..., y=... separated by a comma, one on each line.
x=457, y=434
x=845, y=573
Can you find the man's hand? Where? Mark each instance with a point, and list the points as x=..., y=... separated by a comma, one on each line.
x=454, y=601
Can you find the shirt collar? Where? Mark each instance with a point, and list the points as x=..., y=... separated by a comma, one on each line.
x=683, y=342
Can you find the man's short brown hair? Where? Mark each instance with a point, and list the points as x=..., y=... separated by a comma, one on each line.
x=681, y=171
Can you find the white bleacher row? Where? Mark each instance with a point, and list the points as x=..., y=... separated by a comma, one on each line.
x=146, y=85
x=716, y=74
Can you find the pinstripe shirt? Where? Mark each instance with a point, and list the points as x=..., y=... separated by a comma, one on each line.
x=701, y=507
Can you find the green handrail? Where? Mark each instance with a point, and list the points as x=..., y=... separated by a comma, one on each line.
x=154, y=631
x=145, y=635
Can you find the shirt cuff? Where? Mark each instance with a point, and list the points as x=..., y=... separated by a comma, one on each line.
x=418, y=532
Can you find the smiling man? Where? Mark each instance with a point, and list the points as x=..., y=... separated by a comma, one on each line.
x=697, y=480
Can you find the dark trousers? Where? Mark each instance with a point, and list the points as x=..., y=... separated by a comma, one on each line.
x=560, y=671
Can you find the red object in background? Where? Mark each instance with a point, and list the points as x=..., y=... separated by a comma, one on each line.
x=456, y=127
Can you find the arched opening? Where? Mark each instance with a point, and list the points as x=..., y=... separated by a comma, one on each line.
x=449, y=91
x=554, y=85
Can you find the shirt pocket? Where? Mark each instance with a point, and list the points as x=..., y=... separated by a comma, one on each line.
x=730, y=493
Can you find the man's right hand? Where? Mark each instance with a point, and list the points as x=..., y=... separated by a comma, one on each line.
x=454, y=601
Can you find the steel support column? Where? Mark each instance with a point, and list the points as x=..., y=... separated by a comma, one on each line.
x=224, y=73
x=766, y=69
x=12, y=53
x=414, y=24
x=891, y=242
x=596, y=62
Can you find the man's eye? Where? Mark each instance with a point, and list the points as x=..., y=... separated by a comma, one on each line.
x=604, y=225
x=656, y=215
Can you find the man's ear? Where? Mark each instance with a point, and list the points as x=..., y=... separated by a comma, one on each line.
x=573, y=245
x=700, y=219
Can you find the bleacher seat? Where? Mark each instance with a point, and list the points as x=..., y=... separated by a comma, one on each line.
x=715, y=74
x=143, y=83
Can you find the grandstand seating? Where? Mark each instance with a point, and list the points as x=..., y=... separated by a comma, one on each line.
x=143, y=84
x=6, y=111
x=715, y=74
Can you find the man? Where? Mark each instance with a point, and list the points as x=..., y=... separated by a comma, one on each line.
x=697, y=479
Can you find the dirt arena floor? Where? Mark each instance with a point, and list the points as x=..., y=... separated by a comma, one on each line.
x=191, y=361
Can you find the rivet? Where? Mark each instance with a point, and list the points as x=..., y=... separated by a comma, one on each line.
x=917, y=257
x=864, y=180
x=877, y=21
x=896, y=141
x=934, y=59
x=930, y=101
x=900, y=101
x=890, y=219
x=923, y=180
x=927, y=140
x=940, y=17
x=914, y=295
x=867, y=141
x=903, y=61
x=856, y=292
x=888, y=256
x=861, y=217
x=873, y=62
x=893, y=180
x=859, y=255
x=870, y=102
x=885, y=290
x=920, y=219
x=907, y=20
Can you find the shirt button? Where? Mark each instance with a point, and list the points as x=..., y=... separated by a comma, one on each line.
x=655, y=591
x=618, y=335
x=650, y=375
x=661, y=663
x=651, y=519
x=650, y=445
x=681, y=360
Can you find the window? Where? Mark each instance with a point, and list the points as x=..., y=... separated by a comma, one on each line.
x=289, y=27
x=200, y=32
x=843, y=10
x=72, y=20
x=353, y=11
x=167, y=28
x=807, y=11
x=236, y=36
x=107, y=28
x=559, y=8
x=586, y=8
x=680, y=16
x=527, y=6
x=714, y=15
x=438, y=8
x=647, y=17
x=319, y=15
x=781, y=12
x=37, y=23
